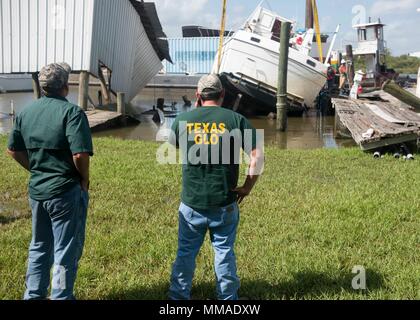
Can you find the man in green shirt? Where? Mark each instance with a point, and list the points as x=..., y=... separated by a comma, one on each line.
x=210, y=139
x=52, y=140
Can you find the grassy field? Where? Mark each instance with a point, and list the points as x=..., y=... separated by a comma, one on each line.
x=313, y=216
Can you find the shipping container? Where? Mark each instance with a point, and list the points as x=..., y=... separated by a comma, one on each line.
x=192, y=55
x=83, y=33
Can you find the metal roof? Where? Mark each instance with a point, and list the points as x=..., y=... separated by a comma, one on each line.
x=370, y=24
x=150, y=19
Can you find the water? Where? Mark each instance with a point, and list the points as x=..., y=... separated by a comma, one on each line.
x=307, y=132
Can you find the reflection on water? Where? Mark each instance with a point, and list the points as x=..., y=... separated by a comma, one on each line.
x=307, y=132
x=20, y=100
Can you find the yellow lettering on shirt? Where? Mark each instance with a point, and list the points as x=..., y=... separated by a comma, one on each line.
x=197, y=128
x=190, y=127
x=206, y=133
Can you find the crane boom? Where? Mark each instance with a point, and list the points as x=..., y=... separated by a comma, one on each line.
x=318, y=30
x=222, y=35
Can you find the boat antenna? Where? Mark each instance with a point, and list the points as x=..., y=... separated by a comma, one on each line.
x=222, y=35
x=269, y=5
x=332, y=44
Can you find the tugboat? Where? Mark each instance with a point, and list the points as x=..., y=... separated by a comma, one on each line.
x=249, y=66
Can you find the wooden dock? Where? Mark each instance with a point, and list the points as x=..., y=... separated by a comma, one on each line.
x=375, y=122
x=100, y=120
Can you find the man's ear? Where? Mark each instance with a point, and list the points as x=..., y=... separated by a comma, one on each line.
x=199, y=101
x=222, y=96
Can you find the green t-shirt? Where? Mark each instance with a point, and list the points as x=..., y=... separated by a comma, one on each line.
x=51, y=130
x=211, y=140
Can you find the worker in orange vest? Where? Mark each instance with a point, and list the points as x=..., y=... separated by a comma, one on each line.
x=343, y=75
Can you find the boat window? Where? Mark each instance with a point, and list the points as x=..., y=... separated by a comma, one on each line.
x=311, y=63
x=371, y=34
x=266, y=21
x=255, y=40
x=276, y=30
x=362, y=34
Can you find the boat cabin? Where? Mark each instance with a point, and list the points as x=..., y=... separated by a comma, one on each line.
x=372, y=46
x=266, y=24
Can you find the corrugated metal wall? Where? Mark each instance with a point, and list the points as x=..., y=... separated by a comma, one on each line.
x=121, y=43
x=34, y=33
x=192, y=55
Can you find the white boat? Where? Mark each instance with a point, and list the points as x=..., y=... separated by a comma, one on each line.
x=15, y=82
x=249, y=65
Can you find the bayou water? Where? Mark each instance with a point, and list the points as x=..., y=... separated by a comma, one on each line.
x=307, y=132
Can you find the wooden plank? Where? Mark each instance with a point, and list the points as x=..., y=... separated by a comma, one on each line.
x=380, y=112
x=102, y=119
x=391, y=125
x=388, y=142
x=394, y=89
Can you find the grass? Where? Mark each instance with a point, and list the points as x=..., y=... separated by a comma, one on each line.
x=313, y=216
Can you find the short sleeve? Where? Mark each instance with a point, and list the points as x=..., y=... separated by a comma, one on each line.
x=174, y=135
x=78, y=134
x=16, y=141
x=249, y=136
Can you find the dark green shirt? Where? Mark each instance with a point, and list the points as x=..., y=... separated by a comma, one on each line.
x=51, y=130
x=211, y=140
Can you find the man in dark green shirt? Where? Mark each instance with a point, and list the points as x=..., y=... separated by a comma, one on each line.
x=210, y=139
x=52, y=140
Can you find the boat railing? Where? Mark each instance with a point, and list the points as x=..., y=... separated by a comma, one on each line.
x=292, y=97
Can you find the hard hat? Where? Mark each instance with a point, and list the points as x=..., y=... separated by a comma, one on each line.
x=343, y=61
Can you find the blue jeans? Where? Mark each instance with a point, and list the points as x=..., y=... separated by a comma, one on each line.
x=58, y=235
x=193, y=225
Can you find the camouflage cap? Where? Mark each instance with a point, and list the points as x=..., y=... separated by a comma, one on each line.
x=209, y=86
x=54, y=75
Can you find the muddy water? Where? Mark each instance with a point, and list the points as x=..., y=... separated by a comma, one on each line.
x=307, y=132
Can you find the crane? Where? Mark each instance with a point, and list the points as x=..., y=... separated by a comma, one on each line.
x=222, y=34
x=317, y=30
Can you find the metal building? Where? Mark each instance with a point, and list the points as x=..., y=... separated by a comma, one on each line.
x=120, y=34
x=192, y=55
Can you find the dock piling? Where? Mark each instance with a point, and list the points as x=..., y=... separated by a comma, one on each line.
x=36, y=87
x=84, y=90
x=282, y=80
x=12, y=109
x=121, y=103
x=104, y=88
x=350, y=65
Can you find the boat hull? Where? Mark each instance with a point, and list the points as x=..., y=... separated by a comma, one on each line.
x=15, y=83
x=255, y=60
x=254, y=100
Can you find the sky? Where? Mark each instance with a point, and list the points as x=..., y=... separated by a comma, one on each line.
x=402, y=17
